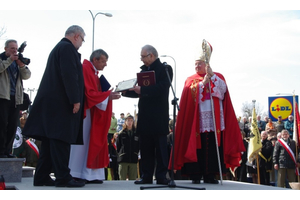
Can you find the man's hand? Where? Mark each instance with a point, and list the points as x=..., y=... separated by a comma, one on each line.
x=137, y=89
x=76, y=107
x=206, y=79
x=20, y=64
x=209, y=71
x=14, y=56
x=114, y=95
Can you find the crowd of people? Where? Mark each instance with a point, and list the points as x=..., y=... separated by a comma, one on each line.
x=81, y=141
x=278, y=161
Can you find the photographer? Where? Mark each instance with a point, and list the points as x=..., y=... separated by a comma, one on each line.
x=12, y=72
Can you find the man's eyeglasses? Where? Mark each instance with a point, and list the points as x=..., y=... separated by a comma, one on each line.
x=81, y=38
x=145, y=56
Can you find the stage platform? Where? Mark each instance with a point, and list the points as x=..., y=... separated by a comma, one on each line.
x=27, y=184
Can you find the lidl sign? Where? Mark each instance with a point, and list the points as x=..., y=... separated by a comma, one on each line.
x=281, y=105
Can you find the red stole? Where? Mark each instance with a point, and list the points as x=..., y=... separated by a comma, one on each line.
x=100, y=120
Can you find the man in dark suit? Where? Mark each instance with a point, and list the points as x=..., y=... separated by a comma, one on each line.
x=153, y=122
x=56, y=116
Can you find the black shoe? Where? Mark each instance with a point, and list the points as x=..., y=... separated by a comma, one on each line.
x=72, y=183
x=162, y=181
x=211, y=180
x=50, y=182
x=143, y=181
x=94, y=182
x=196, y=181
x=11, y=156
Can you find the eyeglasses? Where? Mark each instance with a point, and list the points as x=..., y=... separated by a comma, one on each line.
x=145, y=56
x=81, y=38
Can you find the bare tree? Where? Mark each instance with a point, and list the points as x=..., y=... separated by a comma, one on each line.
x=2, y=31
x=247, y=108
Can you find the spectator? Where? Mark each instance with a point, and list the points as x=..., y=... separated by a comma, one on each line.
x=265, y=159
x=283, y=159
x=260, y=124
x=113, y=161
x=120, y=122
x=245, y=127
x=289, y=125
x=128, y=149
x=112, y=128
x=279, y=125
x=271, y=130
x=12, y=72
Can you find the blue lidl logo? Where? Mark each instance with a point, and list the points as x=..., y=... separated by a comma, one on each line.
x=282, y=106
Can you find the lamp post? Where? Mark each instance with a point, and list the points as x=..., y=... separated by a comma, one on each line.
x=94, y=17
x=31, y=90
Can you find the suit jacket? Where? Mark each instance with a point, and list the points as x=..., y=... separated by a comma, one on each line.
x=62, y=85
x=153, y=104
x=282, y=157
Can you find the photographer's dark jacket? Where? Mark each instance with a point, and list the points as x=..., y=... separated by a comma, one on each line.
x=282, y=157
x=62, y=85
x=23, y=74
x=127, y=146
x=154, y=102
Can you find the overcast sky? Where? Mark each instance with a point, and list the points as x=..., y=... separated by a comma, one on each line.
x=257, y=50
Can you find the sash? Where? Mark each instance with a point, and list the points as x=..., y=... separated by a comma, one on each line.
x=290, y=152
x=33, y=147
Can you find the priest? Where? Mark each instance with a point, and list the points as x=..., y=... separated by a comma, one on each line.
x=87, y=161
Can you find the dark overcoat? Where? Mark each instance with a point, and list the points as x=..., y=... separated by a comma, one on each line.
x=62, y=85
x=153, y=106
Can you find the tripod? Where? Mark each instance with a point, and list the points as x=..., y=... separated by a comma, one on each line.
x=172, y=183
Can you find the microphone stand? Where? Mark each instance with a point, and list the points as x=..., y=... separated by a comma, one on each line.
x=172, y=183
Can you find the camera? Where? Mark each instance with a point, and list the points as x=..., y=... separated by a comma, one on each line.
x=26, y=61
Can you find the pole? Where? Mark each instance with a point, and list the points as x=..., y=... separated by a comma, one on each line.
x=204, y=44
x=295, y=128
x=258, y=174
x=94, y=17
x=257, y=160
x=93, y=30
x=30, y=90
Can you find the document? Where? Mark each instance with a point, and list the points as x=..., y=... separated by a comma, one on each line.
x=126, y=85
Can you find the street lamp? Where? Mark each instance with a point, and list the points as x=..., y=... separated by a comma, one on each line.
x=94, y=17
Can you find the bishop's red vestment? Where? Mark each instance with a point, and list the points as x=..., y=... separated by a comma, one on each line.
x=187, y=129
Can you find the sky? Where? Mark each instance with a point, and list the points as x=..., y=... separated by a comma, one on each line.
x=256, y=48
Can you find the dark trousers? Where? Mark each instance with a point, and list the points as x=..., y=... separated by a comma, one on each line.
x=54, y=154
x=154, y=151
x=9, y=118
x=264, y=176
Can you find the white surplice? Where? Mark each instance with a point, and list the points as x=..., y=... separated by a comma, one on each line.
x=79, y=154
